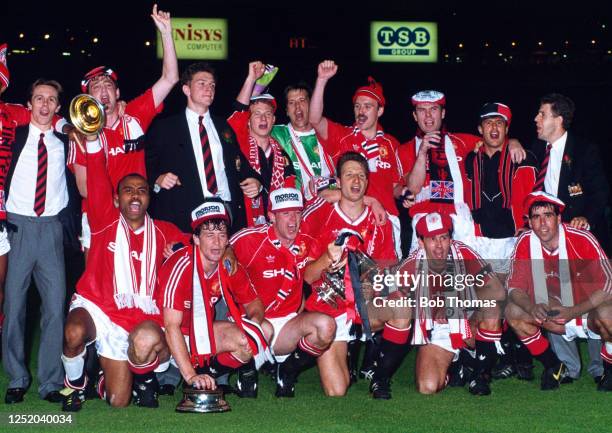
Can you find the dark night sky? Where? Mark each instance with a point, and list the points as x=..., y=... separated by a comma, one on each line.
x=340, y=30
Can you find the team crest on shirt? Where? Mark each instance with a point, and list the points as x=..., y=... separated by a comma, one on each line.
x=384, y=152
x=215, y=291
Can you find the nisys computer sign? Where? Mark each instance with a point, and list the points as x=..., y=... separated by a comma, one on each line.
x=394, y=41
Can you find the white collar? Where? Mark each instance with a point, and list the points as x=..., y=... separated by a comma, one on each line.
x=559, y=143
x=192, y=116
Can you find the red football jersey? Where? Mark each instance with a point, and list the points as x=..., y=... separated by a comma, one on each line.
x=127, y=133
x=97, y=282
x=175, y=286
x=407, y=153
x=341, y=139
x=275, y=271
x=323, y=221
x=589, y=267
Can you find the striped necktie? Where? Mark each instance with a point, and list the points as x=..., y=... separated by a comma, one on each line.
x=209, y=168
x=41, y=178
x=539, y=184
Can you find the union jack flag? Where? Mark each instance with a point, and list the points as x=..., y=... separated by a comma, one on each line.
x=442, y=189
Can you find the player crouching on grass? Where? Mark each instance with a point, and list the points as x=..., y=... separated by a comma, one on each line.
x=443, y=326
x=191, y=282
x=274, y=256
x=115, y=296
x=560, y=281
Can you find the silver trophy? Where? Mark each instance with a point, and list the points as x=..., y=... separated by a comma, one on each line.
x=202, y=401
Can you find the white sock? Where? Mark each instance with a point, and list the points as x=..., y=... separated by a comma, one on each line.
x=74, y=366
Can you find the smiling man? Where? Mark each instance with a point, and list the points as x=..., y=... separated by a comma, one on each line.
x=115, y=301
x=252, y=121
x=561, y=282
x=37, y=192
x=274, y=256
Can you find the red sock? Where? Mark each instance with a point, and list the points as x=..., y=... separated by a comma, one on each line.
x=228, y=360
x=536, y=343
x=309, y=348
x=486, y=335
x=395, y=335
x=143, y=368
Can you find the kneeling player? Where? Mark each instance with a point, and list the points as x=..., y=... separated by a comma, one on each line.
x=274, y=256
x=115, y=295
x=560, y=281
x=323, y=221
x=191, y=282
x=450, y=281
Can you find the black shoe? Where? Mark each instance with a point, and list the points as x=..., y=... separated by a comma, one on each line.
x=503, y=371
x=524, y=371
x=458, y=375
x=166, y=389
x=381, y=389
x=246, y=385
x=597, y=379
x=367, y=371
x=552, y=377
x=479, y=385
x=285, y=384
x=54, y=397
x=605, y=383
x=14, y=395
x=145, y=393
x=73, y=399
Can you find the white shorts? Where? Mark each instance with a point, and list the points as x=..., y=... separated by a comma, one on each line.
x=111, y=339
x=85, y=237
x=5, y=246
x=573, y=331
x=343, y=328
x=440, y=336
x=278, y=323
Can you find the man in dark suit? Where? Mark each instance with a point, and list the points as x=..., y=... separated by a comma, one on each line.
x=571, y=170
x=42, y=207
x=193, y=155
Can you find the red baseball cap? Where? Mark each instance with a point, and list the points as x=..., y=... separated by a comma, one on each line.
x=433, y=224
x=541, y=196
x=431, y=96
x=493, y=109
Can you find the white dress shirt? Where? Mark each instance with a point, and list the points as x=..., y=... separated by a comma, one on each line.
x=551, y=181
x=23, y=182
x=216, y=149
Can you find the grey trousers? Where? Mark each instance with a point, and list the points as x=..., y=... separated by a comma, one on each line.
x=37, y=251
x=567, y=352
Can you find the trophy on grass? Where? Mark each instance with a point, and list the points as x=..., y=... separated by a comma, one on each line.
x=202, y=400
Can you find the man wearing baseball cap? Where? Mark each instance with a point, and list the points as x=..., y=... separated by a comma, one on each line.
x=560, y=281
x=365, y=137
x=192, y=281
x=252, y=122
x=452, y=273
x=274, y=255
x=434, y=160
x=123, y=135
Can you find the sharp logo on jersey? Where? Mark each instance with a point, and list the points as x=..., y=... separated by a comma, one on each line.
x=187, y=305
x=273, y=273
x=112, y=246
x=382, y=164
x=442, y=189
x=116, y=151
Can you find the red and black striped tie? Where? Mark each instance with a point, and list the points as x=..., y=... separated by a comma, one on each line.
x=539, y=184
x=209, y=168
x=41, y=178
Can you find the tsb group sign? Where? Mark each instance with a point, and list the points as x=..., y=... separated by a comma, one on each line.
x=198, y=38
x=404, y=41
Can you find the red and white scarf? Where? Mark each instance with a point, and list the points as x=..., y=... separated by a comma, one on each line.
x=458, y=319
x=201, y=336
x=128, y=293
x=370, y=147
x=254, y=206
